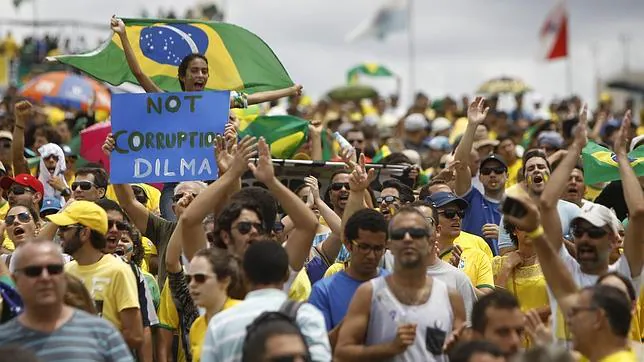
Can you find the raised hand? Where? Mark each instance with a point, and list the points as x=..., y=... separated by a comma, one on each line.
x=263, y=171
x=360, y=178
x=23, y=111
x=581, y=132
x=109, y=144
x=348, y=156
x=477, y=111
x=621, y=141
x=532, y=219
x=538, y=332
x=315, y=127
x=312, y=183
x=240, y=154
x=117, y=25
x=296, y=90
x=223, y=153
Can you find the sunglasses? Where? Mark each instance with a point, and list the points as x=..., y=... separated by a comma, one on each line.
x=19, y=190
x=415, y=233
x=245, y=227
x=178, y=197
x=5, y=144
x=50, y=157
x=63, y=229
x=442, y=165
x=198, y=278
x=387, y=199
x=366, y=248
x=450, y=214
x=35, y=271
x=120, y=225
x=337, y=186
x=497, y=170
x=84, y=185
x=593, y=232
x=24, y=217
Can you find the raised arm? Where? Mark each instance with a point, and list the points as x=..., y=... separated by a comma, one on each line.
x=316, y=132
x=558, y=181
x=119, y=28
x=216, y=193
x=305, y=223
x=476, y=114
x=268, y=96
x=557, y=276
x=359, y=181
x=331, y=246
x=173, y=250
x=634, y=200
x=136, y=211
x=23, y=111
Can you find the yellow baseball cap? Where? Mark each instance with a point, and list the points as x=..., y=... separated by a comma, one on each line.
x=82, y=212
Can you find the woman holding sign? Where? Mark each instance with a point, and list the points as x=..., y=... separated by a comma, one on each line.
x=193, y=75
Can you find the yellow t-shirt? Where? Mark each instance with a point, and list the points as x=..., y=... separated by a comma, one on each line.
x=476, y=265
x=471, y=241
x=111, y=284
x=621, y=356
x=301, y=287
x=169, y=318
x=527, y=283
x=198, y=331
x=513, y=173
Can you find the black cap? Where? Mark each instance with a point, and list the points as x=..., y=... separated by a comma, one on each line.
x=494, y=156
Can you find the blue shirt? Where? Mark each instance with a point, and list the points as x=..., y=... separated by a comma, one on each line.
x=332, y=296
x=481, y=211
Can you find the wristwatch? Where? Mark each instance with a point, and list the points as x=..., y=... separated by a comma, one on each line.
x=66, y=192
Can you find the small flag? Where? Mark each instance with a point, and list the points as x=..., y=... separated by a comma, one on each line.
x=600, y=163
x=383, y=152
x=554, y=33
x=370, y=69
x=390, y=17
x=284, y=134
x=237, y=58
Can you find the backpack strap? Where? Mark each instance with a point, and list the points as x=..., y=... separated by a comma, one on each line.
x=289, y=308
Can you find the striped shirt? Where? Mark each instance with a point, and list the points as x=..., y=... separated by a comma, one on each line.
x=227, y=329
x=83, y=337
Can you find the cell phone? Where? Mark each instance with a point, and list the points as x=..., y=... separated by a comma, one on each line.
x=513, y=207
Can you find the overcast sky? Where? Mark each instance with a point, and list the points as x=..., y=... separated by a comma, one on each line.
x=460, y=43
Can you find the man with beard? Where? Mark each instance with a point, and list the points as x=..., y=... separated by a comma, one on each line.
x=82, y=227
x=337, y=193
x=536, y=172
x=393, y=196
x=594, y=231
x=408, y=315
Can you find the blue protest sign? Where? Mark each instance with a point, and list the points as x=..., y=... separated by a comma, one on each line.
x=166, y=137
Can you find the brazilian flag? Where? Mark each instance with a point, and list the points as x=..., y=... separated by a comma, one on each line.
x=600, y=163
x=237, y=58
x=370, y=69
x=284, y=134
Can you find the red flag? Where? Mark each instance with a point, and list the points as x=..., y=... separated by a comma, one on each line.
x=554, y=33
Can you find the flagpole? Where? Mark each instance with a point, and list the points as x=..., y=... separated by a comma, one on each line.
x=411, y=49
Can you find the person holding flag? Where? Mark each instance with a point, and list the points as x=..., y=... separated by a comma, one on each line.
x=193, y=74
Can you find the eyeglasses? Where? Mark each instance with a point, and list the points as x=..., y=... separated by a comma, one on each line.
x=245, y=227
x=84, y=185
x=20, y=190
x=178, y=197
x=387, y=199
x=120, y=225
x=24, y=217
x=34, y=271
x=497, y=170
x=414, y=233
x=62, y=229
x=366, y=248
x=50, y=157
x=593, y=232
x=337, y=186
x=198, y=278
x=450, y=214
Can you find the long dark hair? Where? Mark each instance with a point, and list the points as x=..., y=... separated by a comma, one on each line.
x=183, y=67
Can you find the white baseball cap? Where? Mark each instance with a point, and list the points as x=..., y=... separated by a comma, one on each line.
x=598, y=215
x=415, y=122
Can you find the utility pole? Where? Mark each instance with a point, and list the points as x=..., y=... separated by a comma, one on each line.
x=625, y=41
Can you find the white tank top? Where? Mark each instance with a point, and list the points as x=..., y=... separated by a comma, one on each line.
x=434, y=318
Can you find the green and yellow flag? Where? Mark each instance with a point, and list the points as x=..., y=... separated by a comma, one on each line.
x=238, y=59
x=284, y=134
x=370, y=69
x=600, y=163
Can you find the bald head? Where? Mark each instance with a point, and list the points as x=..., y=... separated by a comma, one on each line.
x=39, y=275
x=24, y=255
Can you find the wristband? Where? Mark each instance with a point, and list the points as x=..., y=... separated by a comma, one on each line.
x=535, y=233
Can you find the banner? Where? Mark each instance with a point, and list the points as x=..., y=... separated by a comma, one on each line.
x=166, y=137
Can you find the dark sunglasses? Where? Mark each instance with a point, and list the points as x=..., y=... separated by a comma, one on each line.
x=442, y=165
x=337, y=186
x=5, y=144
x=198, y=278
x=415, y=233
x=20, y=190
x=35, y=271
x=387, y=199
x=62, y=229
x=365, y=248
x=593, y=232
x=245, y=227
x=497, y=170
x=178, y=197
x=24, y=217
x=450, y=214
x=51, y=156
x=84, y=185
x=120, y=225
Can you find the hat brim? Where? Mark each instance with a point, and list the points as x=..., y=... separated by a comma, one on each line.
x=594, y=221
x=462, y=204
x=493, y=159
x=61, y=219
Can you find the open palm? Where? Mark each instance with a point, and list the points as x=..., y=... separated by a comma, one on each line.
x=263, y=171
